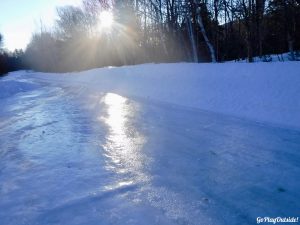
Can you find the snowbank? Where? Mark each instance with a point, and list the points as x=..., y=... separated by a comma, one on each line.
x=265, y=92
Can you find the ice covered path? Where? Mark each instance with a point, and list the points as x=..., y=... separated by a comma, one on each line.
x=72, y=156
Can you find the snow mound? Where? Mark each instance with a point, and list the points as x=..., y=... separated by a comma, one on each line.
x=265, y=92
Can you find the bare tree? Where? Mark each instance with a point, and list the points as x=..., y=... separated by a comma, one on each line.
x=203, y=31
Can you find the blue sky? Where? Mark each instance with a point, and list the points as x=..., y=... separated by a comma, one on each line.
x=20, y=18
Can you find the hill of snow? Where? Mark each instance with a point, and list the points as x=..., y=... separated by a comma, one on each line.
x=265, y=92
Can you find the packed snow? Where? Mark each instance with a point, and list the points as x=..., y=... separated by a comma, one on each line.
x=151, y=144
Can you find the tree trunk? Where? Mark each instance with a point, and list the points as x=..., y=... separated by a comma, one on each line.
x=291, y=47
x=201, y=25
x=192, y=39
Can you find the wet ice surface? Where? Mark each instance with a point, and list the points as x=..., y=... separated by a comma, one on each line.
x=69, y=156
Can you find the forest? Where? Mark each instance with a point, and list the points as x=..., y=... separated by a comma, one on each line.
x=160, y=31
x=11, y=61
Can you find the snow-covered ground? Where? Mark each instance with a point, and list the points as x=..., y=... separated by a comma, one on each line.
x=151, y=144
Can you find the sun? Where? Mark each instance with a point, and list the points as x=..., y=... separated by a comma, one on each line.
x=106, y=20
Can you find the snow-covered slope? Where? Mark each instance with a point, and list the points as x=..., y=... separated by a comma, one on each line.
x=265, y=92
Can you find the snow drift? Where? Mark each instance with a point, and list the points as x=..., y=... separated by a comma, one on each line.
x=265, y=92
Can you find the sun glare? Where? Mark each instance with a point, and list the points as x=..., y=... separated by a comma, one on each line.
x=106, y=19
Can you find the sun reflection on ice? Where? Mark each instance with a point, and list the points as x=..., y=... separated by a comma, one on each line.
x=123, y=142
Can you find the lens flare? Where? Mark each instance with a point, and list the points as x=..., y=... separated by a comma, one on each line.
x=106, y=20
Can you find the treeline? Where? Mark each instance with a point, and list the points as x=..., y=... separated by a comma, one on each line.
x=10, y=61
x=165, y=31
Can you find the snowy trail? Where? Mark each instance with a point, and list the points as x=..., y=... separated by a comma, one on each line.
x=73, y=156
